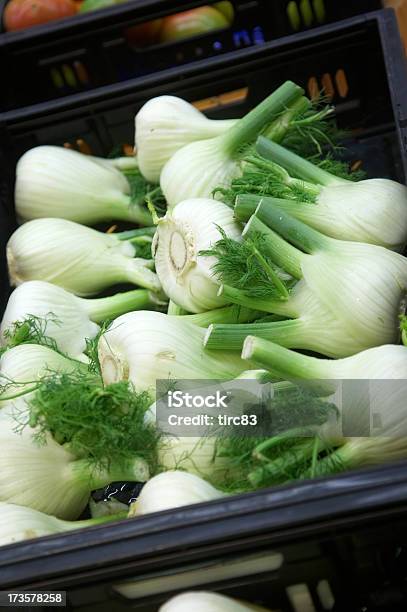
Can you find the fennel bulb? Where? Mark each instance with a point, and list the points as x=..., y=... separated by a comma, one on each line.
x=191, y=227
x=75, y=257
x=198, y=168
x=202, y=601
x=362, y=452
x=195, y=455
x=165, y=124
x=371, y=210
x=58, y=182
x=69, y=319
x=48, y=477
x=202, y=455
x=173, y=489
x=107, y=507
x=144, y=347
x=22, y=366
x=19, y=523
x=348, y=297
x=378, y=404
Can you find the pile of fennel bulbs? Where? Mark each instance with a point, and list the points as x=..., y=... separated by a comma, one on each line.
x=258, y=252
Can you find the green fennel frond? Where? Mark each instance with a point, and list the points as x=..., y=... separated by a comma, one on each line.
x=12, y=389
x=101, y=424
x=244, y=266
x=338, y=168
x=142, y=244
x=31, y=330
x=142, y=192
x=264, y=178
x=314, y=131
x=403, y=329
x=91, y=350
x=286, y=444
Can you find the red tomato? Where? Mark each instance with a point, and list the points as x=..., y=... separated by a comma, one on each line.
x=21, y=14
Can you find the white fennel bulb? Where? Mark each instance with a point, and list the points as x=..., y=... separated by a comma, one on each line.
x=75, y=257
x=375, y=280
x=163, y=126
x=173, y=489
x=19, y=523
x=69, y=324
x=47, y=477
x=22, y=366
x=106, y=507
x=374, y=420
x=191, y=227
x=59, y=182
x=203, y=601
x=68, y=319
x=198, y=168
x=195, y=455
x=348, y=299
x=144, y=347
x=360, y=452
x=371, y=210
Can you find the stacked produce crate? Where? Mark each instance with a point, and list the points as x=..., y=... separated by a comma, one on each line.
x=337, y=543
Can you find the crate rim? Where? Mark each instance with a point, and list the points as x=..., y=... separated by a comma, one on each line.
x=321, y=505
x=101, y=17
x=384, y=18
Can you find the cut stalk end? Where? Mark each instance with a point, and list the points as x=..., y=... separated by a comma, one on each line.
x=114, y=366
x=180, y=248
x=248, y=348
x=207, y=334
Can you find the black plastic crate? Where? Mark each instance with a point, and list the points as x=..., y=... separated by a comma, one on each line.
x=342, y=542
x=92, y=50
x=344, y=538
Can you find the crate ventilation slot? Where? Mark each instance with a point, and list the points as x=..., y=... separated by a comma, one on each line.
x=199, y=576
x=326, y=597
x=70, y=76
x=306, y=13
x=300, y=598
x=332, y=85
x=229, y=98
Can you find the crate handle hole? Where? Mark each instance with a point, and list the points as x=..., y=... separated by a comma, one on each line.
x=342, y=84
x=300, y=598
x=306, y=12
x=328, y=86
x=293, y=15
x=326, y=597
x=319, y=10
x=313, y=88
